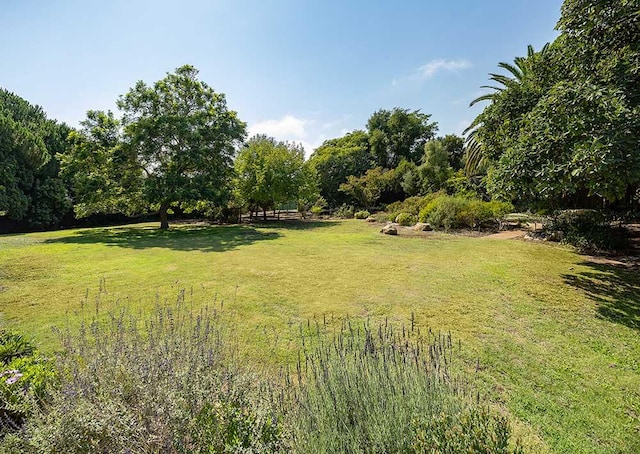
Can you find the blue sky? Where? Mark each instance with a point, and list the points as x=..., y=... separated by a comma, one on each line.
x=298, y=70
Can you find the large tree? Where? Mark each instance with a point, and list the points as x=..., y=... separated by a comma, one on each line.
x=183, y=137
x=31, y=191
x=270, y=173
x=564, y=132
x=399, y=134
x=337, y=159
x=512, y=96
x=104, y=175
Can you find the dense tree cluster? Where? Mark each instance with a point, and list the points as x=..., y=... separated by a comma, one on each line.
x=560, y=130
x=31, y=191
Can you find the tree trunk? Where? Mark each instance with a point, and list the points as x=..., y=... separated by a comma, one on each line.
x=264, y=214
x=164, y=222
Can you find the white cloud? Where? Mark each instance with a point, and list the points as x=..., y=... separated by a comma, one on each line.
x=434, y=66
x=308, y=133
x=287, y=128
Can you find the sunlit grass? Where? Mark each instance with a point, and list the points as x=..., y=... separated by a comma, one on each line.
x=556, y=340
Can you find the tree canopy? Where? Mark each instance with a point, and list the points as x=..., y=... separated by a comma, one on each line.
x=270, y=173
x=399, y=134
x=563, y=132
x=336, y=159
x=31, y=191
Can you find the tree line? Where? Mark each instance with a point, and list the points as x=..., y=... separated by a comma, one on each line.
x=560, y=130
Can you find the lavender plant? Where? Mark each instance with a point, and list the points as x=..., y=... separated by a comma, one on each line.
x=164, y=383
x=387, y=391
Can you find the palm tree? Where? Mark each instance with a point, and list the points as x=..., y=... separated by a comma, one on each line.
x=475, y=155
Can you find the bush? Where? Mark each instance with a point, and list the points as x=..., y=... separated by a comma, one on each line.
x=380, y=217
x=458, y=212
x=14, y=345
x=316, y=210
x=364, y=214
x=406, y=219
x=377, y=390
x=344, y=212
x=589, y=230
x=25, y=380
x=167, y=383
x=170, y=383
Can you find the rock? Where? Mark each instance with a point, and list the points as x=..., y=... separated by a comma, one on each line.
x=370, y=219
x=389, y=229
x=422, y=227
x=509, y=225
x=558, y=236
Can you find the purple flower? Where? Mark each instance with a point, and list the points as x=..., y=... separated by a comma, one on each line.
x=15, y=378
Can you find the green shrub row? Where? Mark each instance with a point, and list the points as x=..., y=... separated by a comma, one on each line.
x=588, y=230
x=449, y=212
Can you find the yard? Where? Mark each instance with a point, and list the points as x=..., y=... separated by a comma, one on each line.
x=550, y=336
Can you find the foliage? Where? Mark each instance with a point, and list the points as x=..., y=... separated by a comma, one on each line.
x=397, y=134
x=270, y=173
x=381, y=390
x=103, y=176
x=345, y=212
x=495, y=129
x=562, y=132
x=449, y=212
x=25, y=380
x=454, y=148
x=31, y=191
x=181, y=134
x=473, y=430
x=14, y=345
x=411, y=205
x=588, y=230
x=580, y=139
x=435, y=169
x=406, y=219
x=164, y=383
x=368, y=189
x=336, y=159
x=364, y=214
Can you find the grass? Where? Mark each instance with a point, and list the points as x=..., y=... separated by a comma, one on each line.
x=554, y=338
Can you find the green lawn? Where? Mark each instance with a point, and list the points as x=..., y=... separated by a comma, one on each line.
x=557, y=337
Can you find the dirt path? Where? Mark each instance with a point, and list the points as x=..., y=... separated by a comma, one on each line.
x=507, y=235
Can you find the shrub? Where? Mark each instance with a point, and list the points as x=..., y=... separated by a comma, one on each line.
x=316, y=210
x=589, y=230
x=405, y=219
x=25, y=379
x=380, y=217
x=456, y=212
x=379, y=390
x=364, y=214
x=345, y=212
x=14, y=345
x=167, y=383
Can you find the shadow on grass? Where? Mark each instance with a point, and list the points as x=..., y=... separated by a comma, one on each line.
x=293, y=224
x=614, y=288
x=186, y=237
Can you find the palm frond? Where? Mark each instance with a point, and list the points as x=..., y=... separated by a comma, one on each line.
x=487, y=97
